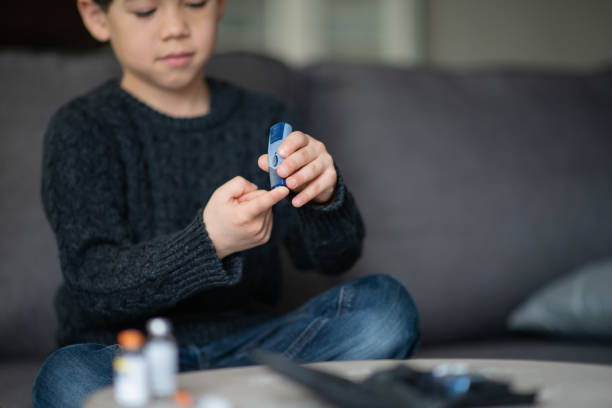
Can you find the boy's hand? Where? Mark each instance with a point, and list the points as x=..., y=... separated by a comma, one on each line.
x=307, y=167
x=238, y=216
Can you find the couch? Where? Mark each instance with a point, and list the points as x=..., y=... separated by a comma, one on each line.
x=477, y=187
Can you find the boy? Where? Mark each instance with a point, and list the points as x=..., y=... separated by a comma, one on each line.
x=150, y=184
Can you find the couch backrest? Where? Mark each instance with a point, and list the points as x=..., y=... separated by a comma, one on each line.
x=476, y=188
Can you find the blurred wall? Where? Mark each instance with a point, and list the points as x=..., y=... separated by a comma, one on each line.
x=303, y=31
x=453, y=33
x=557, y=33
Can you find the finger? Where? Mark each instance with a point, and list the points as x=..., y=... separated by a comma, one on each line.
x=251, y=195
x=325, y=181
x=265, y=201
x=262, y=162
x=308, y=173
x=293, y=142
x=298, y=159
x=237, y=187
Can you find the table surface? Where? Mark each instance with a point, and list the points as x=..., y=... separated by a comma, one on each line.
x=558, y=384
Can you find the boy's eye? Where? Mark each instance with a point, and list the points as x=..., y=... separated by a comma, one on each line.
x=143, y=14
x=197, y=4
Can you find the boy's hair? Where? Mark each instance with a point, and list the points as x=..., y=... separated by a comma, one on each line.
x=103, y=4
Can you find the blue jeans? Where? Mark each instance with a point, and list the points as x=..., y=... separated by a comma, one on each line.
x=372, y=317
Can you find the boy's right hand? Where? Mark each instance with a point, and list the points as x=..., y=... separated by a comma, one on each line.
x=238, y=216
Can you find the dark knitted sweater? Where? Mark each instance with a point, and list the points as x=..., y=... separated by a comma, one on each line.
x=124, y=187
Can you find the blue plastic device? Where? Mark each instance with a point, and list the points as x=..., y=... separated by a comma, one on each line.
x=278, y=133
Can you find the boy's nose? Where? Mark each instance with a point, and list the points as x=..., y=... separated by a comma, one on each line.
x=174, y=25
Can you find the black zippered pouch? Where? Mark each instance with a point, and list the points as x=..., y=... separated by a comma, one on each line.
x=400, y=386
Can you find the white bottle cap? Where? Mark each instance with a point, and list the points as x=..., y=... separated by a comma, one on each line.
x=159, y=327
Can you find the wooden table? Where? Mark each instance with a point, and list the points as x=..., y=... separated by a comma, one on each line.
x=568, y=385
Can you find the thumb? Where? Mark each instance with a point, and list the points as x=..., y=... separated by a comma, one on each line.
x=262, y=162
x=236, y=187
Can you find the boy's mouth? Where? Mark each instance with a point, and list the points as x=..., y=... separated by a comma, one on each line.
x=177, y=59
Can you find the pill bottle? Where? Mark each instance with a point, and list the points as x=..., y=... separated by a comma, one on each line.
x=130, y=370
x=161, y=353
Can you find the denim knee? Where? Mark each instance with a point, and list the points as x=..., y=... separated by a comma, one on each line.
x=389, y=320
x=71, y=373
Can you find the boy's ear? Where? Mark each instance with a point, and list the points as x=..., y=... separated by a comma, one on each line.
x=220, y=8
x=94, y=19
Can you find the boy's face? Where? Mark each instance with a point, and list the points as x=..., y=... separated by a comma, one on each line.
x=161, y=43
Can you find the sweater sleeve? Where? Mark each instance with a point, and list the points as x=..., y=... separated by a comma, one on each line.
x=327, y=237
x=113, y=275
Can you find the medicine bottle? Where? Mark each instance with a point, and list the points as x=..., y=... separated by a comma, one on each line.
x=161, y=353
x=130, y=370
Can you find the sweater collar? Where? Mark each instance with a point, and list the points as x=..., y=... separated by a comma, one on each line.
x=223, y=101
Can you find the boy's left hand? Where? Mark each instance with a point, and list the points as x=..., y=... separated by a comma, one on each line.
x=307, y=167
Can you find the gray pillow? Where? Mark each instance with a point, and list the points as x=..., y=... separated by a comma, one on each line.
x=579, y=304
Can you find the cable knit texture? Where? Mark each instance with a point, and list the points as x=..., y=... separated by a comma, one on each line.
x=124, y=187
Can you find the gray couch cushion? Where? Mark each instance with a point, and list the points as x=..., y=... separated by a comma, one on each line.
x=33, y=86
x=577, y=305
x=259, y=73
x=476, y=187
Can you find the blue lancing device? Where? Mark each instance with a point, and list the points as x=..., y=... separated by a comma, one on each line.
x=278, y=133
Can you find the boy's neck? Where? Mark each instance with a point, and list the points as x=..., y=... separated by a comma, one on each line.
x=191, y=101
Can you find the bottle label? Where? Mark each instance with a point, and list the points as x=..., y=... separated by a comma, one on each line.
x=130, y=381
x=162, y=362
